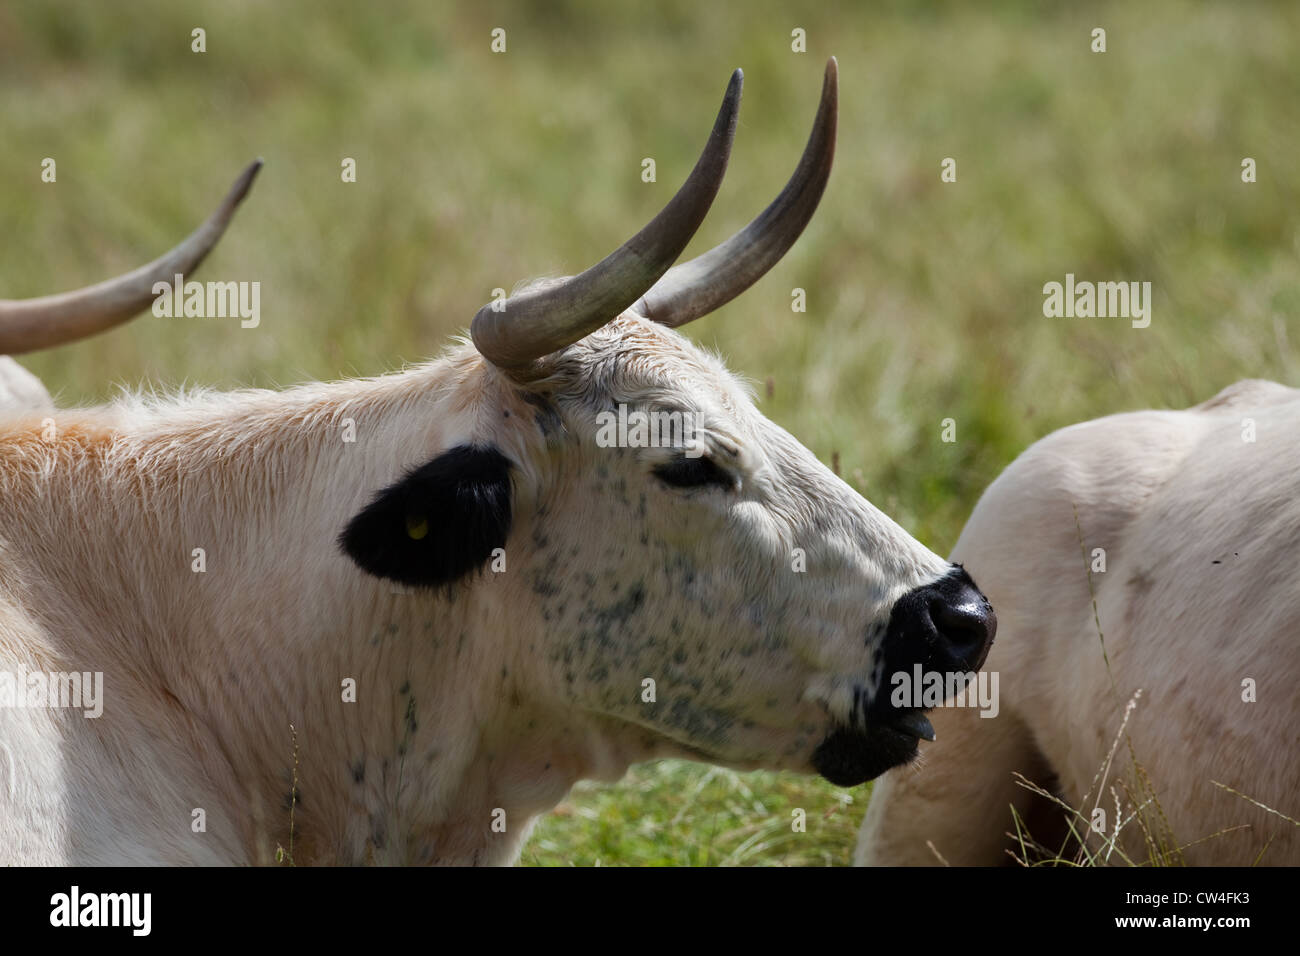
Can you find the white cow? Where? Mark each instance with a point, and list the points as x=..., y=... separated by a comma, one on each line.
x=467, y=608
x=20, y=390
x=1182, y=525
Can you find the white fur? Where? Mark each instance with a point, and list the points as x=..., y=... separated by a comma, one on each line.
x=497, y=693
x=20, y=390
x=1200, y=592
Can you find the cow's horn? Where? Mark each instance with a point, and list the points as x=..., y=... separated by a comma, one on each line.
x=30, y=324
x=538, y=322
x=696, y=288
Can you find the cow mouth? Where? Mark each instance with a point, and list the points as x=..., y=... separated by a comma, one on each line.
x=850, y=756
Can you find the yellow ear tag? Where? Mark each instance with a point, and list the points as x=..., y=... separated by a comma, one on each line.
x=416, y=526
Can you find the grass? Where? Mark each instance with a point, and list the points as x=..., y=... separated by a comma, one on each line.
x=672, y=813
x=1137, y=809
x=282, y=854
x=476, y=170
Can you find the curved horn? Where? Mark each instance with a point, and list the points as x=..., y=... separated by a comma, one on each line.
x=30, y=324
x=695, y=288
x=536, y=323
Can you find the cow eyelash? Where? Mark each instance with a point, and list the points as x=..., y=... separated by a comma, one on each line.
x=695, y=473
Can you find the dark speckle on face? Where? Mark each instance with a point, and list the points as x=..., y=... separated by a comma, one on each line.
x=547, y=418
x=378, y=831
x=628, y=606
x=698, y=722
x=543, y=585
x=412, y=725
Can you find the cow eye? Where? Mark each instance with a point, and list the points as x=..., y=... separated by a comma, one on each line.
x=695, y=473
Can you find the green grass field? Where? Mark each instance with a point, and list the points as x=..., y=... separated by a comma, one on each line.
x=477, y=170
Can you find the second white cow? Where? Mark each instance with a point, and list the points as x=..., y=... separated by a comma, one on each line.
x=1183, y=525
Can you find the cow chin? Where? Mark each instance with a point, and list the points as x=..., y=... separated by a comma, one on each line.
x=848, y=757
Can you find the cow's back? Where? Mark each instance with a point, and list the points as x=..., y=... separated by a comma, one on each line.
x=119, y=787
x=1198, y=605
x=1195, y=516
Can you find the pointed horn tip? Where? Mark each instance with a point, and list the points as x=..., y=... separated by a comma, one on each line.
x=243, y=184
x=832, y=72
x=734, y=87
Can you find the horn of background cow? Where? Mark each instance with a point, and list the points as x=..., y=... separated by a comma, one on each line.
x=692, y=289
x=536, y=323
x=30, y=324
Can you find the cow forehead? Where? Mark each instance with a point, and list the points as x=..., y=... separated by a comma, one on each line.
x=637, y=361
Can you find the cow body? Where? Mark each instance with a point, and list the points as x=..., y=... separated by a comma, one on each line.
x=1199, y=607
x=20, y=390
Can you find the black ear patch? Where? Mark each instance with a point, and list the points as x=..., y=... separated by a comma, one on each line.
x=440, y=522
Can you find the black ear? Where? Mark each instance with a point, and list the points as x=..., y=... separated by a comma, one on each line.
x=438, y=523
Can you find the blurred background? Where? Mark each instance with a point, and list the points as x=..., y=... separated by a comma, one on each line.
x=476, y=170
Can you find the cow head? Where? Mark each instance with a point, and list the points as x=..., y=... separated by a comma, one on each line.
x=677, y=565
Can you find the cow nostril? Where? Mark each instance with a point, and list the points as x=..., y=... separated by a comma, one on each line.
x=966, y=624
x=942, y=627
